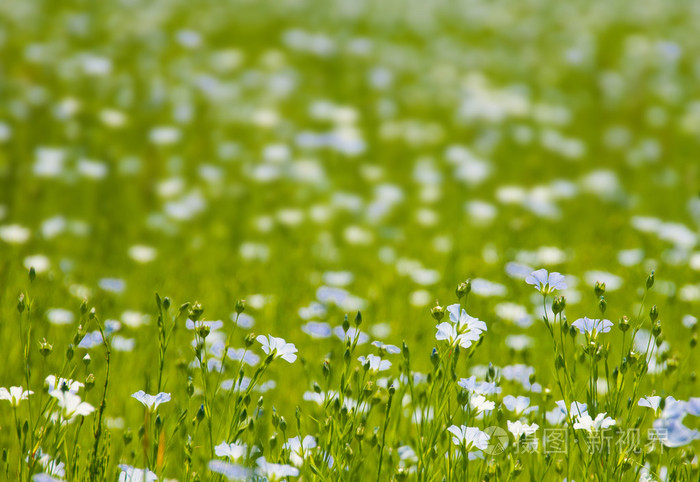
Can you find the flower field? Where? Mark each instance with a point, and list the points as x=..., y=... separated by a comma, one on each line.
x=349, y=240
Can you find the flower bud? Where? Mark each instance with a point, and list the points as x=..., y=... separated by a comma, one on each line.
x=190, y=388
x=462, y=397
x=159, y=423
x=599, y=289
x=45, y=348
x=283, y=424
x=203, y=330
x=90, y=381
x=200, y=414
x=196, y=311
x=602, y=305
x=653, y=313
x=21, y=303
x=358, y=319
x=624, y=324
x=32, y=274
x=87, y=360
x=463, y=289
x=249, y=340
x=128, y=436
x=437, y=311
x=69, y=352
x=650, y=280
x=434, y=358
x=656, y=329
x=240, y=306
x=558, y=304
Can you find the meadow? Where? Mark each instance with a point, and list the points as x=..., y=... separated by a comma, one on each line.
x=349, y=240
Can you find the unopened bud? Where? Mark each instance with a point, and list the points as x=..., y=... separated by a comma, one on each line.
x=624, y=324
x=437, y=311
x=196, y=311
x=45, y=348
x=653, y=313
x=358, y=319
x=21, y=303
x=599, y=289
x=89, y=381
x=558, y=304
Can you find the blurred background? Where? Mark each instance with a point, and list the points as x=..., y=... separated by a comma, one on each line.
x=317, y=158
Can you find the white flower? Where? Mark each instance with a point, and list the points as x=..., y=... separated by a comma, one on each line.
x=482, y=388
x=67, y=384
x=557, y=415
x=447, y=331
x=469, y=437
x=299, y=449
x=518, y=429
x=278, y=348
x=230, y=471
x=132, y=474
x=651, y=402
x=585, y=422
x=14, y=395
x=545, y=282
x=374, y=363
x=462, y=320
x=592, y=327
x=234, y=451
x=151, y=402
x=14, y=234
x=390, y=349
x=518, y=405
x=480, y=403
x=275, y=471
x=71, y=404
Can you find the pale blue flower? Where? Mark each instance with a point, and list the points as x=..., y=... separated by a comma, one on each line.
x=278, y=348
x=234, y=451
x=151, y=402
x=672, y=433
x=352, y=332
x=228, y=470
x=317, y=329
x=300, y=449
x=14, y=395
x=463, y=321
x=390, y=349
x=469, y=437
x=545, y=282
x=592, y=327
x=650, y=402
x=275, y=471
x=375, y=363
x=448, y=331
x=132, y=474
x=241, y=354
x=591, y=425
x=519, y=405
